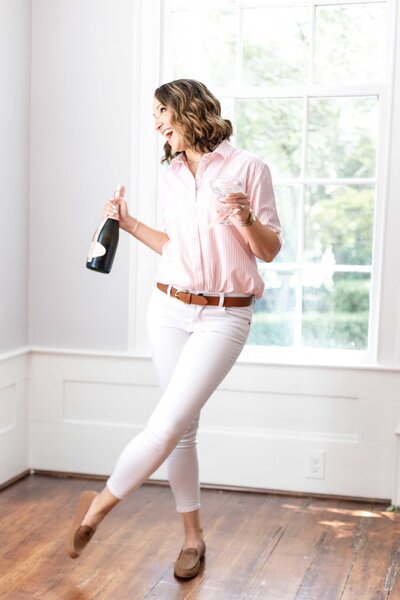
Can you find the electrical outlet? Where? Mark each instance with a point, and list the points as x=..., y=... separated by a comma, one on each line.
x=316, y=464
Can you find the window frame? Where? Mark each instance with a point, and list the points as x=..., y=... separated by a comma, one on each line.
x=157, y=61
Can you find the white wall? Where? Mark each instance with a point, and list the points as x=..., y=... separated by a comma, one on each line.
x=80, y=150
x=14, y=172
x=15, y=38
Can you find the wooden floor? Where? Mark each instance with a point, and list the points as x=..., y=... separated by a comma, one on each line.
x=258, y=546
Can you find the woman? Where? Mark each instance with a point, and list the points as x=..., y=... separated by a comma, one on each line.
x=200, y=311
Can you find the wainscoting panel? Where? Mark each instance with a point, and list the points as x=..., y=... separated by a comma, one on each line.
x=107, y=403
x=13, y=415
x=84, y=409
x=290, y=415
x=8, y=407
x=325, y=430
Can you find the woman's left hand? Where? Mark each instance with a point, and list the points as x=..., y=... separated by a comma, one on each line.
x=239, y=203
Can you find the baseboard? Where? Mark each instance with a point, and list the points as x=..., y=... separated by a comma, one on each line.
x=225, y=488
x=15, y=479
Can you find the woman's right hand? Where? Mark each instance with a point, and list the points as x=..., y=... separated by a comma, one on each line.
x=117, y=207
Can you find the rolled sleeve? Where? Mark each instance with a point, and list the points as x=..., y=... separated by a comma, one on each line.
x=262, y=198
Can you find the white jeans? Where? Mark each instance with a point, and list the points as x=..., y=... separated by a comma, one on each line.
x=193, y=349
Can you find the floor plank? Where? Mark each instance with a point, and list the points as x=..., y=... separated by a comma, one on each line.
x=282, y=574
x=334, y=555
x=259, y=546
x=377, y=559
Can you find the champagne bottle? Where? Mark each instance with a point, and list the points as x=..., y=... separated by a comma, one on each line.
x=105, y=241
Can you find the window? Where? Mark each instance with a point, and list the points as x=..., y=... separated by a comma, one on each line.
x=306, y=84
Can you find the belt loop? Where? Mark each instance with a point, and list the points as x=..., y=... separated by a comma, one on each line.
x=169, y=288
x=221, y=300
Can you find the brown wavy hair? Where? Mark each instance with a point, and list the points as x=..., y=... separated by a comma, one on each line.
x=197, y=112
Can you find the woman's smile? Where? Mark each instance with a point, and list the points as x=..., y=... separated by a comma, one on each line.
x=163, y=123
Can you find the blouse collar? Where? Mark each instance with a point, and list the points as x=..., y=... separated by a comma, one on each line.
x=224, y=149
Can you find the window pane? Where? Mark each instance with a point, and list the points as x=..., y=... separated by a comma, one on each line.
x=342, y=137
x=274, y=314
x=339, y=224
x=311, y=297
x=272, y=129
x=335, y=309
x=275, y=45
x=349, y=45
x=203, y=45
x=287, y=201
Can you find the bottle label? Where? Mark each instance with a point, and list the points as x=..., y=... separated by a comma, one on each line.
x=96, y=249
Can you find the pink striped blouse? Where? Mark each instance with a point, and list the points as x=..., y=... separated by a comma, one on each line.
x=217, y=259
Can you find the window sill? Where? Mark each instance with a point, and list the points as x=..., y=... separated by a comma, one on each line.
x=251, y=355
x=312, y=357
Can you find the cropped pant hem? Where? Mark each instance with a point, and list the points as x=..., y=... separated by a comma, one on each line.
x=186, y=509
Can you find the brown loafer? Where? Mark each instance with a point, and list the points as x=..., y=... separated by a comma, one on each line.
x=188, y=562
x=79, y=535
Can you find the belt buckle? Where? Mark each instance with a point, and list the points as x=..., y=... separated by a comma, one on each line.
x=182, y=292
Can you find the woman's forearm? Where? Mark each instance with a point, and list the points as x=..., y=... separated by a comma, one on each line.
x=153, y=238
x=263, y=242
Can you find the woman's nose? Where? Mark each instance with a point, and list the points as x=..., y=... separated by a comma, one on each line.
x=157, y=124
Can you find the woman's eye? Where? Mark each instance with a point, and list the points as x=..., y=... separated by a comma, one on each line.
x=162, y=109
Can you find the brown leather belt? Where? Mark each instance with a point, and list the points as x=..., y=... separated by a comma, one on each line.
x=188, y=298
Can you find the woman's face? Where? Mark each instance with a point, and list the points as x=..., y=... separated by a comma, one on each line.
x=163, y=123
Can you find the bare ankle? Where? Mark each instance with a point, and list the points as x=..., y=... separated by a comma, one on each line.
x=194, y=533
x=95, y=514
